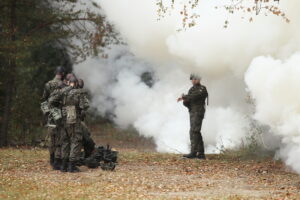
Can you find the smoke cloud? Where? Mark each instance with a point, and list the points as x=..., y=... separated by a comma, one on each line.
x=248, y=58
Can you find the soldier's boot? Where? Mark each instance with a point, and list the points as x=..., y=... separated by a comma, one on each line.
x=190, y=155
x=201, y=156
x=72, y=167
x=51, y=159
x=57, y=164
x=64, y=165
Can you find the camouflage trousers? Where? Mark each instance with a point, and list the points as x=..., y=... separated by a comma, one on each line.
x=88, y=143
x=197, y=145
x=54, y=144
x=72, y=142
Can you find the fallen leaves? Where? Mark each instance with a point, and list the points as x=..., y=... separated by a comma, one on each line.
x=146, y=175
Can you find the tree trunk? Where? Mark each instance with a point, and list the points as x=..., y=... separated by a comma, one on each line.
x=10, y=78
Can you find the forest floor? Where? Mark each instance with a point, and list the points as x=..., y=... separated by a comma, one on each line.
x=26, y=174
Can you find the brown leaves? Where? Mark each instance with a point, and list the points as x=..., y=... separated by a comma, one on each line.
x=146, y=175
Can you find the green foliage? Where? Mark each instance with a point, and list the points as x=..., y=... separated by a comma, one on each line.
x=36, y=36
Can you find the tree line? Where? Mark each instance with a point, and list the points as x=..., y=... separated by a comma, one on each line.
x=36, y=36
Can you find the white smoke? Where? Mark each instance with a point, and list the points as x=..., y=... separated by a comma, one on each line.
x=221, y=56
x=275, y=86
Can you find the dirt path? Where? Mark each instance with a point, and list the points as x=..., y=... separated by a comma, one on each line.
x=25, y=174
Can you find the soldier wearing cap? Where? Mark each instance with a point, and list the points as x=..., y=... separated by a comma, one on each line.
x=195, y=102
x=73, y=104
x=53, y=131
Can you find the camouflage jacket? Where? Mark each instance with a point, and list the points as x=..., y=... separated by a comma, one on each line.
x=69, y=96
x=195, y=99
x=50, y=87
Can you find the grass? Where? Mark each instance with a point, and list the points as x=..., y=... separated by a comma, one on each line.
x=25, y=174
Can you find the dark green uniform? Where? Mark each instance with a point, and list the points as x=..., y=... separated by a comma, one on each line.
x=87, y=141
x=73, y=105
x=53, y=132
x=195, y=102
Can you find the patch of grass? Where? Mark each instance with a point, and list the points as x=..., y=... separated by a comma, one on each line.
x=26, y=174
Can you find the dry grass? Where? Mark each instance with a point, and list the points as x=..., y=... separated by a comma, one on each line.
x=25, y=174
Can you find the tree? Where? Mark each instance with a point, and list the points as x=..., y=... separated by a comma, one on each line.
x=189, y=15
x=29, y=31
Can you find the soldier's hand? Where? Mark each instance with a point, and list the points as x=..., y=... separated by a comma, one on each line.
x=179, y=99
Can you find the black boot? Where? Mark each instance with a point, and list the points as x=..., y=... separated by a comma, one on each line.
x=51, y=159
x=201, y=156
x=72, y=167
x=57, y=164
x=64, y=165
x=190, y=155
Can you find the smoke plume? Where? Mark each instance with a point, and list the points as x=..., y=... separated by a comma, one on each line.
x=256, y=58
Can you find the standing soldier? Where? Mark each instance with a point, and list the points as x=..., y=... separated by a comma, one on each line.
x=53, y=131
x=195, y=102
x=72, y=107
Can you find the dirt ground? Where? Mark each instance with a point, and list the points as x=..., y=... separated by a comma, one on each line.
x=25, y=174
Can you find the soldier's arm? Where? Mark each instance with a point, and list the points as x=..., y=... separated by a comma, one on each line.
x=195, y=95
x=84, y=103
x=55, y=98
x=46, y=93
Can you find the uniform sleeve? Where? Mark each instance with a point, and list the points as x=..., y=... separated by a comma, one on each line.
x=55, y=97
x=192, y=96
x=84, y=102
x=46, y=93
x=195, y=95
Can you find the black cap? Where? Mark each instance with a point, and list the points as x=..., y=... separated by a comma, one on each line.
x=60, y=70
x=195, y=77
x=73, y=80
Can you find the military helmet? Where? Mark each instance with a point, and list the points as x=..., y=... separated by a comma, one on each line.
x=69, y=76
x=195, y=77
x=60, y=70
x=80, y=83
x=73, y=80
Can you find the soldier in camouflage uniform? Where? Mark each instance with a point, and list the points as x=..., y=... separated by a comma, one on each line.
x=72, y=106
x=88, y=143
x=195, y=102
x=53, y=131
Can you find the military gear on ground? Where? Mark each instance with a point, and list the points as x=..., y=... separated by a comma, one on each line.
x=195, y=77
x=195, y=102
x=106, y=158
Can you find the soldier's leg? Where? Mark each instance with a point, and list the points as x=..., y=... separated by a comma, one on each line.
x=58, y=157
x=65, y=147
x=199, y=139
x=87, y=141
x=76, y=145
x=51, y=144
x=193, y=138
